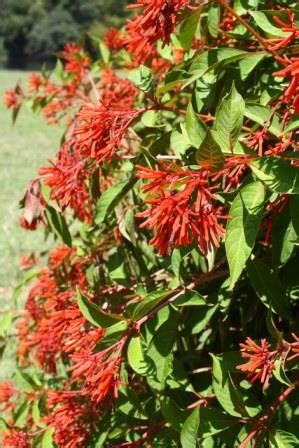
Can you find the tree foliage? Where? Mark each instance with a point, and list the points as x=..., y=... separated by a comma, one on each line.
x=167, y=313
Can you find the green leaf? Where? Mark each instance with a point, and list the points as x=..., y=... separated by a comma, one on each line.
x=112, y=335
x=196, y=129
x=21, y=412
x=104, y=52
x=58, y=224
x=178, y=143
x=129, y=404
x=294, y=211
x=142, y=77
x=213, y=421
x=213, y=58
x=280, y=374
x=47, y=439
x=173, y=78
x=15, y=113
x=229, y=120
x=213, y=20
x=100, y=443
x=271, y=327
x=202, y=318
x=263, y=115
x=243, y=6
x=149, y=119
x=190, y=429
x=176, y=260
x=209, y=154
x=5, y=323
x=284, y=237
x=292, y=125
x=58, y=71
x=149, y=302
x=247, y=65
x=242, y=229
x=268, y=287
x=36, y=414
x=94, y=314
x=210, y=61
x=226, y=392
x=277, y=174
x=172, y=413
x=111, y=197
x=190, y=298
x=160, y=350
x=136, y=357
x=188, y=30
x=262, y=20
x=283, y=439
x=24, y=381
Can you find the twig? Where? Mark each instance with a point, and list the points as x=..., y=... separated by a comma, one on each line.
x=251, y=30
x=204, y=278
x=200, y=370
x=261, y=424
x=94, y=88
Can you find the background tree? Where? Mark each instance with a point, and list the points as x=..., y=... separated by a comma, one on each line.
x=33, y=31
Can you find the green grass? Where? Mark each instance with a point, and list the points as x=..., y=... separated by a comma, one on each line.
x=24, y=147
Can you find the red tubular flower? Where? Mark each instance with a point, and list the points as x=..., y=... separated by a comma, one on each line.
x=13, y=98
x=34, y=82
x=15, y=438
x=7, y=391
x=100, y=130
x=182, y=209
x=76, y=60
x=273, y=209
x=45, y=287
x=138, y=46
x=70, y=417
x=290, y=28
x=232, y=173
x=291, y=94
x=114, y=39
x=295, y=346
x=115, y=92
x=28, y=261
x=67, y=178
x=261, y=361
x=63, y=98
x=48, y=349
x=99, y=372
x=59, y=255
x=158, y=19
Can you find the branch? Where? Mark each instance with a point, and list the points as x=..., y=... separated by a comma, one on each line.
x=251, y=30
x=202, y=279
x=261, y=425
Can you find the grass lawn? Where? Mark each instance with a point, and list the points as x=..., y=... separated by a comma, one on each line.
x=24, y=147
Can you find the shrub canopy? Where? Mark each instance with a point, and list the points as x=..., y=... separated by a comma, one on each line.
x=167, y=313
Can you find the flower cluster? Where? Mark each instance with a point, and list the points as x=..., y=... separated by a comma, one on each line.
x=260, y=361
x=182, y=209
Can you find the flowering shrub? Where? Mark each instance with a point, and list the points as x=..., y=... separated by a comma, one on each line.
x=167, y=313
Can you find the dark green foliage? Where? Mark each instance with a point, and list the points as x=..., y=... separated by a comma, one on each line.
x=34, y=30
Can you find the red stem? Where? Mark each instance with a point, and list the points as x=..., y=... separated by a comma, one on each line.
x=261, y=425
x=251, y=30
x=204, y=278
